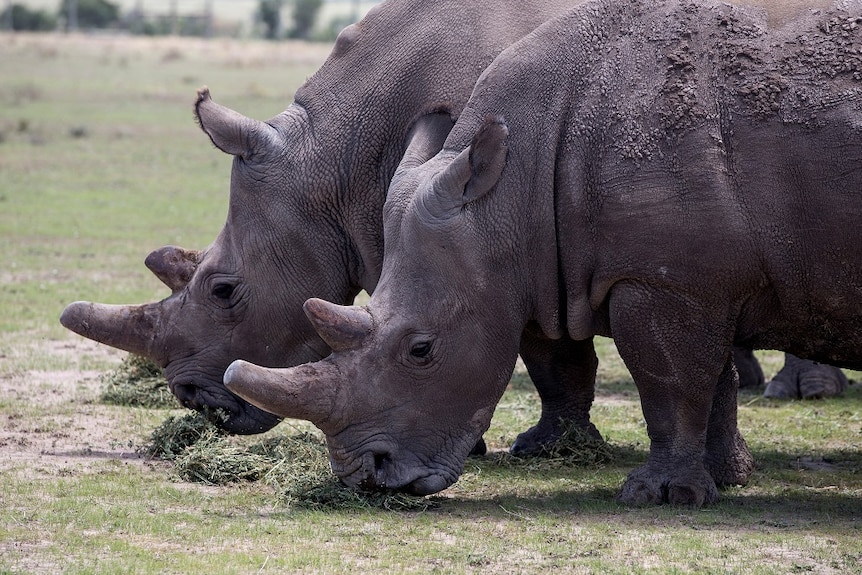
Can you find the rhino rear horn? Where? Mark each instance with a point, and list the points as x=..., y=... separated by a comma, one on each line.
x=230, y=131
x=341, y=327
x=174, y=266
x=303, y=392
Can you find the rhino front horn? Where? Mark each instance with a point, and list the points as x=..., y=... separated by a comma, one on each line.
x=341, y=327
x=303, y=392
x=126, y=327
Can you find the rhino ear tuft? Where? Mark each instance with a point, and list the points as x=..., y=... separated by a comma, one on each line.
x=487, y=157
x=230, y=131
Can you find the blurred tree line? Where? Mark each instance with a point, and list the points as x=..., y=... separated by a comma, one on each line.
x=104, y=14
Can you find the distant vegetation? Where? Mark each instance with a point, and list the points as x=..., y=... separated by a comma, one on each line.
x=270, y=19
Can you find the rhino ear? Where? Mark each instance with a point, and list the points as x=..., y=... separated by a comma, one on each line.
x=174, y=266
x=230, y=131
x=426, y=138
x=473, y=173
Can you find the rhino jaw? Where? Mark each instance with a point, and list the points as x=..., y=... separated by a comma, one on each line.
x=126, y=327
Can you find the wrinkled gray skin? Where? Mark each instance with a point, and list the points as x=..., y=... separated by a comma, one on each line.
x=304, y=220
x=664, y=173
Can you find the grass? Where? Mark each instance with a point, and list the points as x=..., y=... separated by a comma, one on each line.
x=79, y=211
x=137, y=382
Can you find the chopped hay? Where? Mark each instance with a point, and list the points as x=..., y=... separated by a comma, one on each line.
x=296, y=467
x=137, y=382
x=574, y=448
x=176, y=434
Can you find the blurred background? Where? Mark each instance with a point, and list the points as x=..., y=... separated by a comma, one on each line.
x=316, y=20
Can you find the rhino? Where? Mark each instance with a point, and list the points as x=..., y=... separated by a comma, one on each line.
x=672, y=174
x=304, y=218
x=296, y=229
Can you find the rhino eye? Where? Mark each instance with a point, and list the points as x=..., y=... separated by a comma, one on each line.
x=223, y=291
x=421, y=350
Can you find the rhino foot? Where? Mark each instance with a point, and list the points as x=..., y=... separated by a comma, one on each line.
x=548, y=433
x=805, y=379
x=646, y=486
x=480, y=448
x=729, y=463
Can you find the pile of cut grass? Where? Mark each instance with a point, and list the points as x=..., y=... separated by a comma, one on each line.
x=296, y=467
x=137, y=382
x=574, y=448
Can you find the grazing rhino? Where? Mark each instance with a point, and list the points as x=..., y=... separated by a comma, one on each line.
x=663, y=172
x=304, y=219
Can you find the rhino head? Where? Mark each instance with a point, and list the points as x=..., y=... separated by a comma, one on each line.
x=414, y=376
x=241, y=298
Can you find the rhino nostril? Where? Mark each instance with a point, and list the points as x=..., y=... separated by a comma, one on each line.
x=380, y=460
x=186, y=394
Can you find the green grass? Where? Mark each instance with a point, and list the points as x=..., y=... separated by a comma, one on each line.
x=79, y=211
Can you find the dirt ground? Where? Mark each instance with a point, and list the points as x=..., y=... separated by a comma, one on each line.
x=52, y=420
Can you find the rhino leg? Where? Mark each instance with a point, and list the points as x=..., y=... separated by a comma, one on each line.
x=676, y=351
x=727, y=457
x=805, y=379
x=750, y=372
x=564, y=373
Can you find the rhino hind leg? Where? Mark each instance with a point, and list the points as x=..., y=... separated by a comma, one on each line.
x=805, y=379
x=750, y=372
x=564, y=373
x=727, y=457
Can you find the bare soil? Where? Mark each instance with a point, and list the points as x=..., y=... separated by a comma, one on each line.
x=53, y=421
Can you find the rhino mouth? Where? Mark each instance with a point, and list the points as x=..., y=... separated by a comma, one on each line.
x=379, y=470
x=226, y=410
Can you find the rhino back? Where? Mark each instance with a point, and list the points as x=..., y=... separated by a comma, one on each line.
x=405, y=59
x=690, y=146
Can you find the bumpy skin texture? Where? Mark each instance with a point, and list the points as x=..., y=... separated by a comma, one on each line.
x=307, y=191
x=666, y=173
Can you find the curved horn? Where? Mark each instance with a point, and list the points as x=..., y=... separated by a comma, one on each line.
x=230, y=131
x=174, y=266
x=341, y=327
x=302, y=392
x=126, y=327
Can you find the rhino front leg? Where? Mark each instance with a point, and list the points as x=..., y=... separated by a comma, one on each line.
x=564, y=373
x=748, y=368
x=676, y=350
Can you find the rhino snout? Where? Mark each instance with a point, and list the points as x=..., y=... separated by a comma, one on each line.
x=380, y=471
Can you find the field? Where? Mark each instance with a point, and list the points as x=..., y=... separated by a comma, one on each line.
x=100, y=163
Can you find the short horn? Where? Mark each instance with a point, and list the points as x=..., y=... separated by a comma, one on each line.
x=303, y=392
x=174, y=266
x=341, y=327
x=130, y=328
